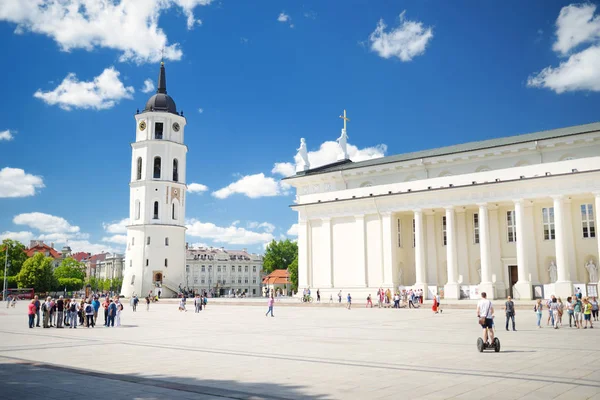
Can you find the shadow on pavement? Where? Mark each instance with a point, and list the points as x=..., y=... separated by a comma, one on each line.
x=22, y=380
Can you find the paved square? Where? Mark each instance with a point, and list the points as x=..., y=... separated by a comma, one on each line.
x=236, y=352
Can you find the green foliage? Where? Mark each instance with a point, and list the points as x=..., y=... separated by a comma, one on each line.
x=93, y=282
x=293, y=270
x=71, y=284
x=70, y=268
x=117, y=283
x=37, y=273
x=279, y=255
x=11, y=282
x=16, y=256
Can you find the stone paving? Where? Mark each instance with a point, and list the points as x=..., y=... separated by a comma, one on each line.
x=235, y=352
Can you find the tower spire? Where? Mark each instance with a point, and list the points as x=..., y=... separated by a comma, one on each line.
x=162, y=79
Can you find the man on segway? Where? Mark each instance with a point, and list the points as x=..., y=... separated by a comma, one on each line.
x=485, y=313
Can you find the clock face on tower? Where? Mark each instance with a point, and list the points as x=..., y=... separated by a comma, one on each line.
x=142, y=125
x=176, y=127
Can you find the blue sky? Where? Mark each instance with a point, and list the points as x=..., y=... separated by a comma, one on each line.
x=252, y=78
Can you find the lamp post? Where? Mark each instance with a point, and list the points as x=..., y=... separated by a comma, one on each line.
x=5, y=269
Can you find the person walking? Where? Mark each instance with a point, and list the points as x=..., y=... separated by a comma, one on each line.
x=73, y=311
x=554, y=312
x=369, y=302
x=135, y=303
x=509, y=309
x=318, y=295
x=270, y=303
x=198, y=303
x=119, y=310
x=60, y=310
x=594, y=304
x=434, y=307
x=349, y=300
x=587, y=313
x=31, y=313
x=340, y=297
x=538, y=312
x=8, y=300
x=147, y=303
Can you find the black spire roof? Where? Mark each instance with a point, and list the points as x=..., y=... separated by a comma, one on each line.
x=161, y=101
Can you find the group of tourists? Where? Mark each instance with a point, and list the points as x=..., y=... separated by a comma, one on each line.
x=582, y=311
x=402, y=298
x=61, y=313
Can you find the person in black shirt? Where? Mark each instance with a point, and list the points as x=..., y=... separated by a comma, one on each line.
x=37, y=311
x=60, y=309
x=509, y=307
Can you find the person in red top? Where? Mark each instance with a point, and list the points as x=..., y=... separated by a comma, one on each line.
x=31, y=309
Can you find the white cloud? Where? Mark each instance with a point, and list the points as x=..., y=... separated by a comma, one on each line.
x=118, y=239
x=6, y=135
x=148, y=86
x=293, y=231
x=200, y=110
x=103, y=92
x=128, y=26
x=94, y=248
x=327, y=154
x=22, y=236
x=283, y=17
x=253, y=186
x=116, y=227
x=268, y=227
x=197, y=188
x=575, y=25
x=14, y=182
x=198, y=245
x=45, y=223
x=232, y=235
x=406, y=41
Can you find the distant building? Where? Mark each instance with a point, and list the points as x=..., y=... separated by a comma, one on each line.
x=38, y=246
x=81, y=256
x=110, y=266
x=222, y=272
x=278, y=281
x=91, y=264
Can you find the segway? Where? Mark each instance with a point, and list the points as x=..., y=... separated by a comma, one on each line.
x=481, y=345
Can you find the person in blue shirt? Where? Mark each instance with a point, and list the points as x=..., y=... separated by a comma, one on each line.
x=112, y=312
x=349, y=301
x=96, y=305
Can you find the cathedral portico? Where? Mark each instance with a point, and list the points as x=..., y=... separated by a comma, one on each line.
x=524, y=230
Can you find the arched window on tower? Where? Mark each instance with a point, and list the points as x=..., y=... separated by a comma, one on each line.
x=155, y=210
x=156, y=167
x=174, y=212
x=166, y=263
x=175, y=170
x=139, y=168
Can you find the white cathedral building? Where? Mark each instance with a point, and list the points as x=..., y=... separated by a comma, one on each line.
x=510, y=216
x=155, y=255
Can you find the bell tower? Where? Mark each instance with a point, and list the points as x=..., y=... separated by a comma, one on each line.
x=155, y=255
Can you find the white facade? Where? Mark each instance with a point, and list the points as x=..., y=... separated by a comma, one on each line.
x=111, y=267
x=508, y=216
x=220, y=271
x=155, y=255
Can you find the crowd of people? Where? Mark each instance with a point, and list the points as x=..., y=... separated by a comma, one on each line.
x=582, y=311
x=62, y=313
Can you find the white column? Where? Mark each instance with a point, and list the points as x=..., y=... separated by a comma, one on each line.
x=597, y=225
x=303, y=254
x=461, y=246
x=361, y=242
x=430, y=249
x=496, y=267
x=451, y=290
x=486, y=284
x=388, y=238
x=522, y=289
x=327, y=262
x=420, y=275
x=570, y=256
x=563, y=286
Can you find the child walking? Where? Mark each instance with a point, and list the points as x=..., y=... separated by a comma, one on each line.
x=270, y=304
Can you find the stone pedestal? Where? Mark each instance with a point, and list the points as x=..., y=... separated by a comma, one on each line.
x=489, y=289
x=452, y=291
x=522, y=291
x=562, y=289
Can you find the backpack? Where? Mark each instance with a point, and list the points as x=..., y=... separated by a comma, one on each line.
x=73, y=307
x=88, y=309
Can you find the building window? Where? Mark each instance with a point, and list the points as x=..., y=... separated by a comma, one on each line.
x=246, y=268
x=548, y=223
x=156, y=167
x=137, y=209
x=476, y=228
x=173, y=213
x=158, y=130
x=254, y=268
x=233, y=268
x=511, y=226
x=139, y=168
x=166, y=262
x=414, y=233
x=148, y=240
x=203, y=269
x=444, y=237
x=202, y=281
x=155, y=215
x=399, y=232
x=175, y=170
x=254, y=281
x=239, y=280
x=166, y=241
x=587, y=221
x=218, y=268
x=239, y=268
x=246, y=280
x=209, y=268
x=187, y=269
x=130, y=263
x=146, y=262
x=133, y=241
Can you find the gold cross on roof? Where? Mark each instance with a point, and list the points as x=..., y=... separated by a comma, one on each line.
x=345, y=119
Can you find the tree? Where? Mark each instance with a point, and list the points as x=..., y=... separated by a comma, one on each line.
x=279, y=255
x=70, y=268
x=116, y=284
x=93, y=282
x=16, y=256
x=293, y=271
x=37, y=273
x=69, y=284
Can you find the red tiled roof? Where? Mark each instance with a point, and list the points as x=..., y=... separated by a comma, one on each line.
x=279, y=276
x=42, y=248
x=80, y=256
